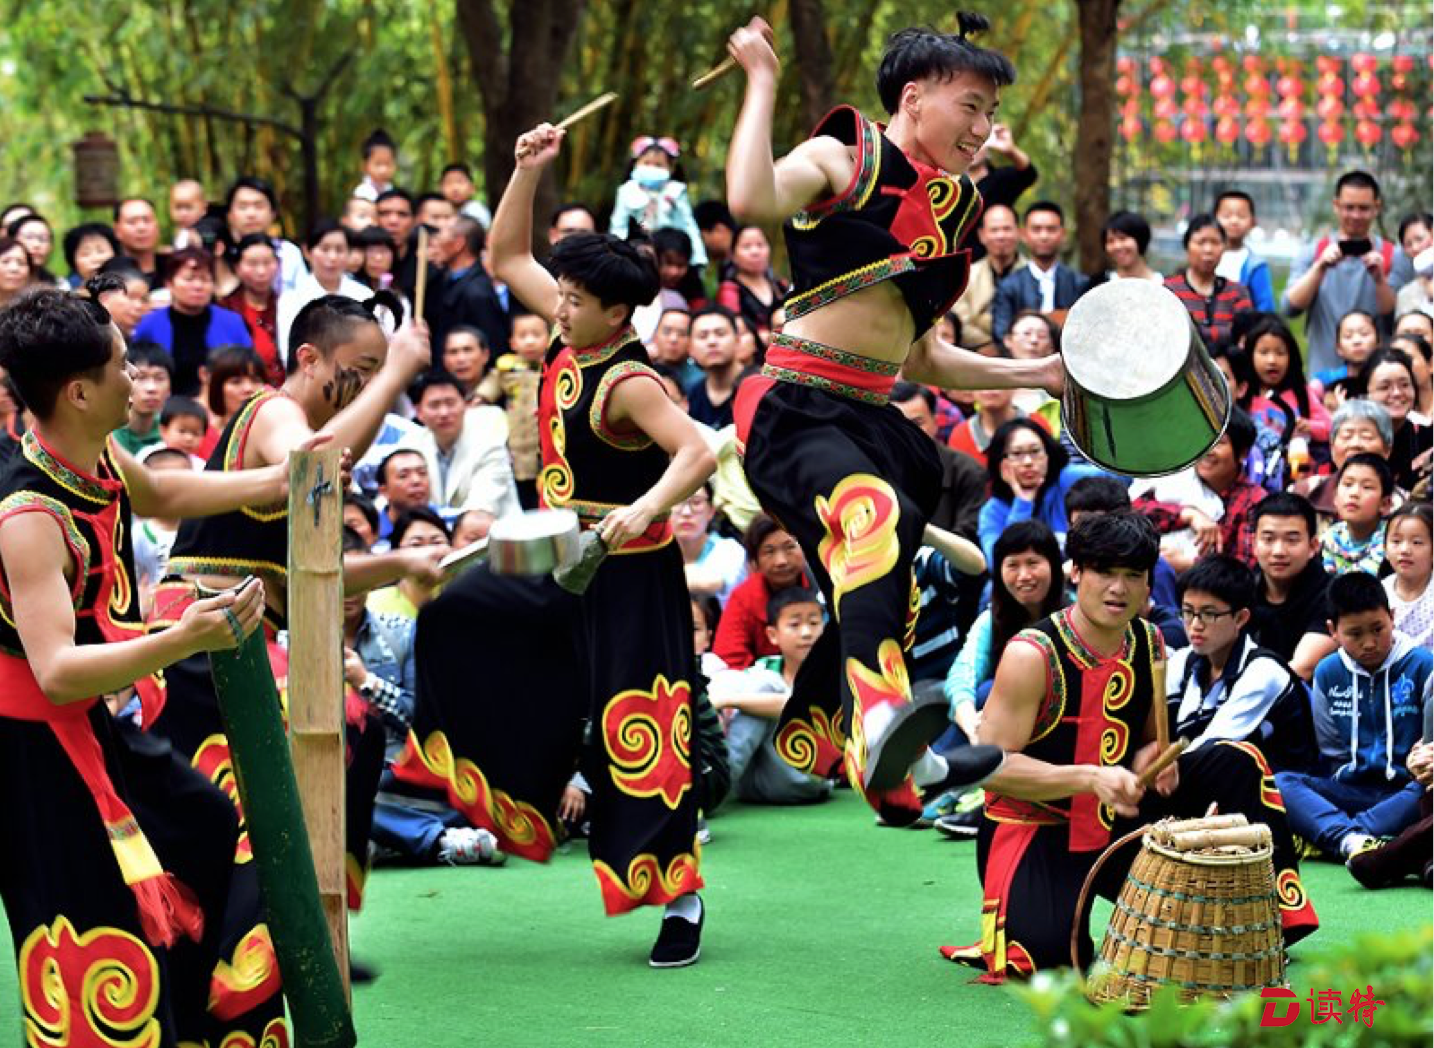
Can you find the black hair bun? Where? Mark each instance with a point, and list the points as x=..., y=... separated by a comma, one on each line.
x=969, y=23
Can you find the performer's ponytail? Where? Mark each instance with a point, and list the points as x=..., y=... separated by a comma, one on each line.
x=971, y=23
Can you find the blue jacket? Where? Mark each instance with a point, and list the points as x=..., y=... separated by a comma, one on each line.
x=998, y=513
x=226, y=328
x=1255, y=275
x=1366, y=723
x=1019, y=291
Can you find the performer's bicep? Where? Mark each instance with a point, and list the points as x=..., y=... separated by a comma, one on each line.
x=533, y=286
x=811, y=172
x=35, y=560
x=642, y=403
x=1009, y=716
x=278, y=429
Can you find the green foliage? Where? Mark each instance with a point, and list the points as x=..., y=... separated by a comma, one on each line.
x=1397, y=967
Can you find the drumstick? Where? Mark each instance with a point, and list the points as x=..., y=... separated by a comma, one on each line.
x=592, y=107
x=422, y=268
x=1162, y=707
x=1166, y=758
x=716, y=73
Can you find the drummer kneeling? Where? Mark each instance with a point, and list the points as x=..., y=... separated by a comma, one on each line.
x=1072, y=706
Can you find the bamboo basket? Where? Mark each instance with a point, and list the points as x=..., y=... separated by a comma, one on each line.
x=1198, y=910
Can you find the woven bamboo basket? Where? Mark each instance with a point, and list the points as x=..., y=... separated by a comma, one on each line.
x=1198, y=910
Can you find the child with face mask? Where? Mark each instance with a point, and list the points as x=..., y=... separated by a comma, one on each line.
x=655, y=194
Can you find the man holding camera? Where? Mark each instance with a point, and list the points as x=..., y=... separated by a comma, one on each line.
x=1352, y=269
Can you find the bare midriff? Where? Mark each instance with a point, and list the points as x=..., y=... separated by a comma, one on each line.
x=873, y=322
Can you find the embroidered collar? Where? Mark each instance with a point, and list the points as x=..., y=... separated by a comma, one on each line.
x=96, y=489
x=603, y=351
x=1084, y=654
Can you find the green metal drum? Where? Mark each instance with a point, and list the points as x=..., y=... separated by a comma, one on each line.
x=1142, y=395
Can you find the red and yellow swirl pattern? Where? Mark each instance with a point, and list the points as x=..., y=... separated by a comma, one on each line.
x=99, y=988
x=562, y=388
x=648, y=736
x=860, y=545
x=814, y=744
x=888, y=684
x=1291, y=890
x=646, y=883
x=242, y=982
x=214, y=762
x=275, y=1035
x=1270, y=794
x=520, y=828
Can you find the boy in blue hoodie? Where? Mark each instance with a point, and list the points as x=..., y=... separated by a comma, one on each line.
x=1368, y=714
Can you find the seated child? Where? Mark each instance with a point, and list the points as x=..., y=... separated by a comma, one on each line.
x=1368, y=714
x=1225, y=686
x=1409, y=545
x=759, y=773
x=1364, y=491
x=183, y=425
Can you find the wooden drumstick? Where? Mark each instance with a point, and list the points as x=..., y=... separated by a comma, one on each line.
x=586, y=111
x=1167, y=757
x=421, y=266
x=714, y=74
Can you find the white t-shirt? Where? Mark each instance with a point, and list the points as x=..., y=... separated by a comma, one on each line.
x=1232, y=262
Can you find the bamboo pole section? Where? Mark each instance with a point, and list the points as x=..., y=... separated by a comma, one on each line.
x=316, y=724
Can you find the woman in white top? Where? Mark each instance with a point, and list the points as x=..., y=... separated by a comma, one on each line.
x=327, y=249
x=1127, y=237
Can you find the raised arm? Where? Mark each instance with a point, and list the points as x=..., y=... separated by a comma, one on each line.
x=510, y=241
x=34, y=556
x=641, y=404
x=759, y=189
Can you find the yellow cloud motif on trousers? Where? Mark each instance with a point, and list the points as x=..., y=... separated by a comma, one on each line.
x=860, y=545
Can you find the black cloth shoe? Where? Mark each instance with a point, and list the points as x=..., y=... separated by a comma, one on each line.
x=961, y=825
x=890, y=756
x=679, y=943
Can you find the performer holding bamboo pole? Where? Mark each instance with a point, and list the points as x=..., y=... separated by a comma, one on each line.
x=118, y=855
x=342, y=376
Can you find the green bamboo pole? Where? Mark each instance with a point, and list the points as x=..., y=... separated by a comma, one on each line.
x=313, y=986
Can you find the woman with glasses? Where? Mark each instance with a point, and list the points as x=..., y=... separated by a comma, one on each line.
x=1030, y=474
x=715, y=564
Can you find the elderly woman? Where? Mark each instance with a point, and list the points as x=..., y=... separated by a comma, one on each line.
x=1358, y=426
x=1213, y=301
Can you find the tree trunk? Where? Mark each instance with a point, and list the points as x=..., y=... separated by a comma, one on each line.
x=814, y=59
x=1095, y=130
x=518, y=83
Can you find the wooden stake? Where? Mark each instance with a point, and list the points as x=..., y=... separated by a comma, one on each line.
x=421, y=271
x=1162, y=707
x=316, y=686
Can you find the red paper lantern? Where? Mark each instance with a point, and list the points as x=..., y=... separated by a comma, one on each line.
x=1125, y=66
x=1257, y=131
x=1329, y=108
x=1253, y=64
x=1366, y=85
x=1227, y=130
x=1404, y=135
x=1327, y=64
x=1329, y=84
x=1124, y=85
x=1287, y=86
x=1165, y=131
x=1130, y=128
x=1162, y=86
x=1364, y=109
x=1257, y=86
x=1403, y=63
x=1221, y=65
x=1166, y=109
x=1130, y=109
x=1291, y=109
x=1195, y=108
x=1193, y=86
x=1257, y=108
x=1292, y=133
x=1158, y=66
x=1368, y=133
x=1193, y=131
x=1364, y=63
x=1226, y=105
x=1331, y=134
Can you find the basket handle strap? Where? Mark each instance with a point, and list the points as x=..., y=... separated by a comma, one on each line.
x=1083, y=902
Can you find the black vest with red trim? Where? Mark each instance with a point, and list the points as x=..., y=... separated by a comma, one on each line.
x=1094, y=712
x=897, y=220
x=587, y=466
x=93, y=513
x=249, y=541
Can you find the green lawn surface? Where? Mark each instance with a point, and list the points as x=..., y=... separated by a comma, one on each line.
x=822, y=929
